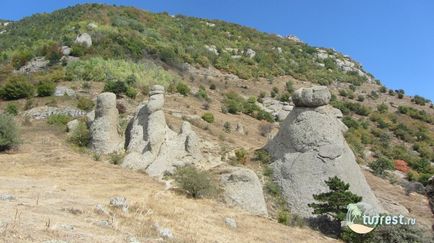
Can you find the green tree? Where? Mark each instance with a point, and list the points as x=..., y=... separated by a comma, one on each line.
x=334, y=203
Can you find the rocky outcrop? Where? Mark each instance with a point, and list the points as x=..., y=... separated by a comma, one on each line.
x=104, y=129
x=64, y=91
x=84, y=39
x=37, y=64
x=242, y=188
x=152, y=146
x=277, y=108
x=43, y=112
x=309, y=148
x=311, y=97
x=429, y=189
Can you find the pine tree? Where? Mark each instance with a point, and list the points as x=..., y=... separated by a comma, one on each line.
x=335, y=202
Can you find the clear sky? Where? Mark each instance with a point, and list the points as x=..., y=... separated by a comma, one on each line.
x=392, y=39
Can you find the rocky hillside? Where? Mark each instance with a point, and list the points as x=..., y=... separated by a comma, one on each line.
x=182, y=91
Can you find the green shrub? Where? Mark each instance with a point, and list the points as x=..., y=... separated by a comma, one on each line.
x=80, y=135
x=182, y=89
x=131, y=92
x=20, y=58
x=212, y=87
x=263, y=156
x=381, y=165
x=227, y=127
x=208, y=117
x=289, y=87
x=11, y=109
x=201, y=94
x=117, y=87
x=241, y=156
x=116, y=158
x=17, y=88
x=85, y=104
x=283, y=217
x=382, y=108
x=9, y=137
x=45, y=88
x=59, y=119
x=194, y=182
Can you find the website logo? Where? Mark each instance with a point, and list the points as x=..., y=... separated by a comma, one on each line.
x=363, y=218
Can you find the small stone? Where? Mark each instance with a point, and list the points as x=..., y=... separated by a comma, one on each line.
x=7, y=197
x=119, y=202
x=166, y=233
x=72, y=125
x=64, y=91
x=101, y=210
x=231, y=223
x=132, y=239
x=103, y=223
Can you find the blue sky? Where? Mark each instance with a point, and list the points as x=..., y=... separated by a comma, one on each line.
x=393, y=39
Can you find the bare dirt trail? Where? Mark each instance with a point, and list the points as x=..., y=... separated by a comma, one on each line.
x=57, y=188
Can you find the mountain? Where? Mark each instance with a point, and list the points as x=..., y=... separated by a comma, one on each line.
x=233, y=84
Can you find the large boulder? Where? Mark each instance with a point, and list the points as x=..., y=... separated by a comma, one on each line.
x=104, y=129
x=84, y=39
x=430, y=192
x=310, y=148
x=242, y=188
x=311, y=97
x=152, y=146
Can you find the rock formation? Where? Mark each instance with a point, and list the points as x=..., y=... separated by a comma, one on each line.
x=84, y=39
x=152, y=146
x=242, y=188
x=309, y=148
x=104, y=129
x=430, y=192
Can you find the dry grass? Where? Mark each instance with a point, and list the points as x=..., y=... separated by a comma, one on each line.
x=56, y=188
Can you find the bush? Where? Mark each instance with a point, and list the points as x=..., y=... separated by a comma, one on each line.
x=59, y=120
x=45, y=88
x=263, y=156
x=241, y=156
x=182, y=89
x=131, y=92
x=194, y=182
x=116, y=158
x=85, y=104
x=117, y=87
x=381, y=165
x=208, y=117
x=289, y=87
x=9, y=137
x=382, y=108
x=11, y=109
x=80, y=135
x=212, y=87
x=227, y=127
x=17, y=88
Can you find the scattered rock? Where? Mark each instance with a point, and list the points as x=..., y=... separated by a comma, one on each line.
x=152, y=146
x=166, y=233
x=414, y=187
x=231, y=223
x=119, y=202
x=67, y=227
x=7, y=197
x=43, y=112
x=84, y=39
x=242, y=188
x=72, y=125
x=212, y=48
x=132, y=239
x=429, y=189
x=55, y=241
x=240, y=128
x=101, y=210
x=311, y=97
x=250, y=53
x=64, y=91
x=104, y=129
x=103, y=223
x=92, y=26
x=310, y=148
x=66, y=50
x=37, y=64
